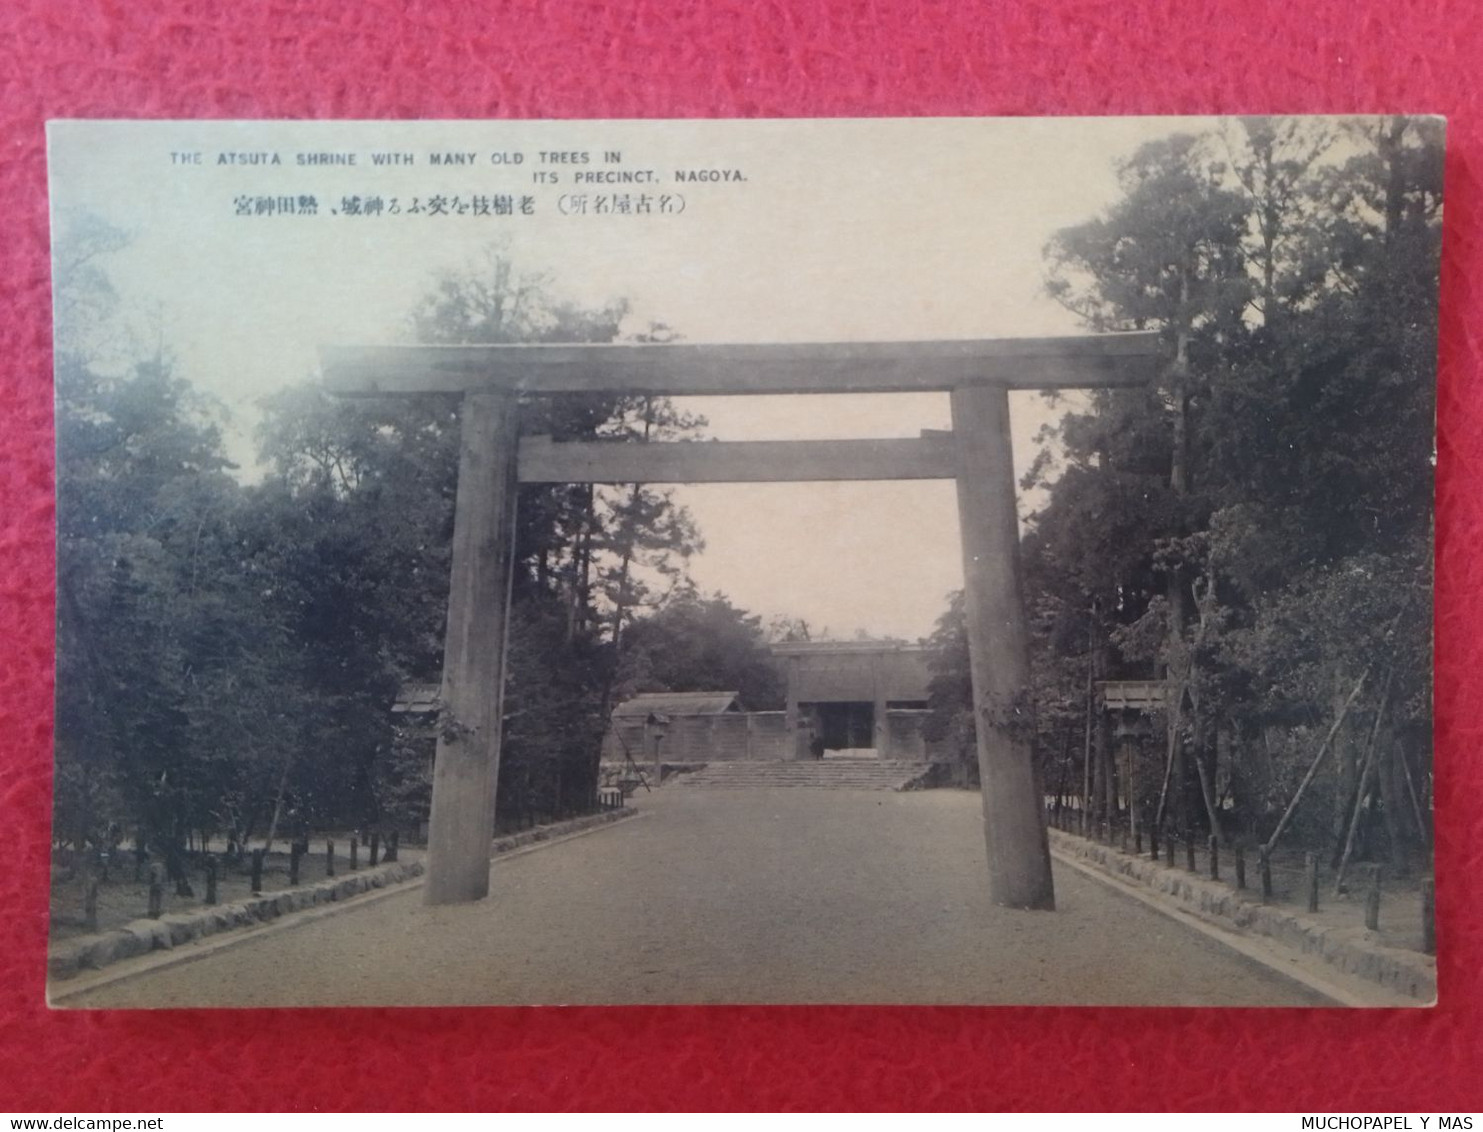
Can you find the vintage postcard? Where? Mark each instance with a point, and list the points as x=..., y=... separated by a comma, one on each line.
x=859, y=561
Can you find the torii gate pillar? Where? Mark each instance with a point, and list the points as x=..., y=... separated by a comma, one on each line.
x=466, y=769
x=977, y=374
x=998, y=649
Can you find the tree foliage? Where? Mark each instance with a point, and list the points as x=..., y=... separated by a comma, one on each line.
x=174, y=689
x=1256, y=530
x=697, y=643
x=228, y=653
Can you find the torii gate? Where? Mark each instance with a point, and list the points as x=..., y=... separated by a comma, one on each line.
x=494, y=461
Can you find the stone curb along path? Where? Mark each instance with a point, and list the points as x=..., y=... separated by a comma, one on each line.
x=1350, y=950
x=139, y=937
x=169, y=931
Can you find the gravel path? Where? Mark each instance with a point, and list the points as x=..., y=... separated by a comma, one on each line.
x=761, y=896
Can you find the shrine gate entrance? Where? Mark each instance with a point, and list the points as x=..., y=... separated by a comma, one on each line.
x=495, y=460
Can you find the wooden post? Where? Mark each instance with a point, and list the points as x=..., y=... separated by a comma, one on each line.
x=793, y=747
x=1429, y=916
x=1264, y=863
x=354, y=853
x=1169, y=850
x=466, y=769
x=1372, y=900
x=210, y=879
x=879, y=717
x=375, y=849
x=257, y=871
x=1240, y=867
x=329, y=858
x=1310, y=874
x=1189, y=852
x=294, y=852
x=1131, y=785
x=1153, y=842
x=998, y=645
x=90, y=902
x=392, y=840
x=1107, y=772
x=1214, y=857
x=156, y=893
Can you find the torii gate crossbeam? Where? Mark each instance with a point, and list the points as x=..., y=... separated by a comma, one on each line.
x=976, y=454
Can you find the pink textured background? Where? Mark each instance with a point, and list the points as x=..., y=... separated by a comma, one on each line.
x=383, y=58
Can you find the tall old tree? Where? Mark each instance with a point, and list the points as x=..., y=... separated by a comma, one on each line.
x=369, y=486
x=1282, y=467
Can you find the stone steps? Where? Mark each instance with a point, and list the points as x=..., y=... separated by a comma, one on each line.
x=841, y=774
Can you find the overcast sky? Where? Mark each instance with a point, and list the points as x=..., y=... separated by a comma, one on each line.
x=842, y=230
